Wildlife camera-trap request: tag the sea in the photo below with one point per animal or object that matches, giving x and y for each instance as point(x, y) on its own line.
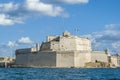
point(59, 73)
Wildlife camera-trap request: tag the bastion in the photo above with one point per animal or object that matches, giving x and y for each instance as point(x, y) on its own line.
point(65, 51)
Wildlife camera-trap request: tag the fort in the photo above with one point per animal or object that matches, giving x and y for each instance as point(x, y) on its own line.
point(66, 51)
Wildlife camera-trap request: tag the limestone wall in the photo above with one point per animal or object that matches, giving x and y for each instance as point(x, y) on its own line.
point(67, 44)
point(52, 38)
point(59, 59)
point(21, 59)
point(41, 59)
point(26, 50)
point(46, 46)
point(72, 58)
point(83, 44)
point(65, 59)
point(55, 46)
point(99, 56)
point(81, 58)
point(71, 43)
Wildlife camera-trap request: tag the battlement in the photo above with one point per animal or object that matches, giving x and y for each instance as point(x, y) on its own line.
point(66, 42)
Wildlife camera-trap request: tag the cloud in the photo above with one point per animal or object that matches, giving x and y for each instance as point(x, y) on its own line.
point(8, 20)
point(5, 20)
point(7, 14)
point(43, 8)
point(21, 41)
point(6, 7)
point(113, 26)
point(109, 38)
point(67, 1)
point(8, 49)
point(16, 13)
point(12, 44)
point(25, 40)
point(116, 45)
point(74, 1)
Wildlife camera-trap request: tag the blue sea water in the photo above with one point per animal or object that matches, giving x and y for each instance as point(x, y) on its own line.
point(59, 74)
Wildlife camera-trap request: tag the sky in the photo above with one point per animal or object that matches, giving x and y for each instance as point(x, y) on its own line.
point(26, 22)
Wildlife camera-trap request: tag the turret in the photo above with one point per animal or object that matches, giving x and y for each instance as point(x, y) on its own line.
point(66, 34)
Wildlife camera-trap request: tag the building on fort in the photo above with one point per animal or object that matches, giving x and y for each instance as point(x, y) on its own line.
point(66, 51)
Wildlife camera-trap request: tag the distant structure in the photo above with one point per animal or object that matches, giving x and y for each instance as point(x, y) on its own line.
point(66, 51)
point(115, 60)
point(6, 62)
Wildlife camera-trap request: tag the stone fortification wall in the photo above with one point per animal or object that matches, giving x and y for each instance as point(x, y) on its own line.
point(53, 59)
point(60, 58)
point(21, 59)
point(41, 59)
point(52, 38)
point(67, 44)
point(45, 46)
point(55, 46)
point(22, 51)
point(81, 58)
point(99, 56)
point(65, 59)
point(83, 44)
point(70, 43)
point(72, 58)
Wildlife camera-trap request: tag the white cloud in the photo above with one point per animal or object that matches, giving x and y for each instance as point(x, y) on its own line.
point(8, 49)
point(109, 38)
point(11, 44)
point(116, 45)
point(15, 13)
point(5, 20)
point(6, 7)
point(19, 42)
point(110, 26)
point(8, 13)
point(25, 40)
point(74, 1)
point(113, 26)
point(66, 1)
point(8, 20)
point(42, 8)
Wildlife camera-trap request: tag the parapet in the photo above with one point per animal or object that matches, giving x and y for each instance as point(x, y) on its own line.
point(66, 34)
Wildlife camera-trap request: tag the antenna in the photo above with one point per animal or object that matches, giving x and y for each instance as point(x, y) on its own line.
point(63, 24)
point(77, 30)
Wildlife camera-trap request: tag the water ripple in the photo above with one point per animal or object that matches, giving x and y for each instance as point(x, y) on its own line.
point(59, 74)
